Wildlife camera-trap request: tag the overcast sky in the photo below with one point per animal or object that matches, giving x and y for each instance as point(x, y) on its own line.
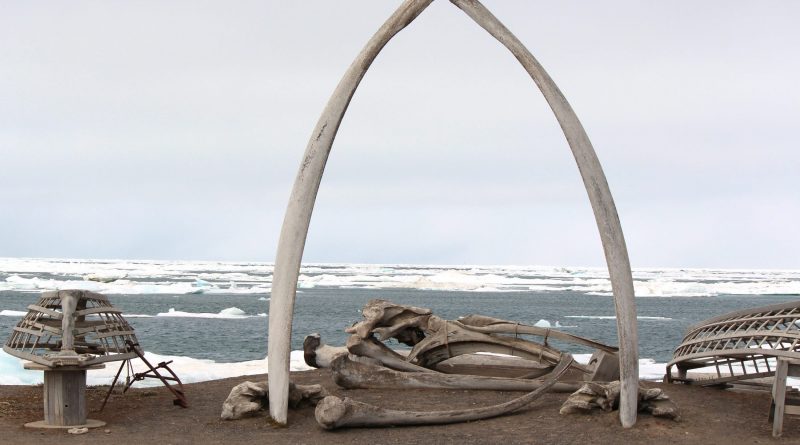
point(173, 130)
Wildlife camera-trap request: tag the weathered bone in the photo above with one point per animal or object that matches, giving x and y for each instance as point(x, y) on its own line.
point(489, 325)
point(381, 314)
point(605, 212)
point(605, 396)
point(447, 339)
point(318, 354)
point(429, 334)
point(491, 365)
point(306, 395)
point(436, 339)
point(356, 375)
point(605, 367)
point(406, 328)
point(301, 204)
point(247, 399)
point(433, 357)
point(333, 412)
point(369, 347)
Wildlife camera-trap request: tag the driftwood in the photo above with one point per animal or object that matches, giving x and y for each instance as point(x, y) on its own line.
point(358, 375)
point(247, 399)
point(594, 395)
point(333, 412)
point(309, 176)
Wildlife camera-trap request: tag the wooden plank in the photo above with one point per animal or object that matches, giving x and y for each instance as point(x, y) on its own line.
point(736, 321)
point(710, 357)
point(712, 381)
point(115, 334)
point(65, 397)
point(779, 397)
point(740, 335)
point(97, 310)
point(30, 331)
point(55, 314)
point(734, 317)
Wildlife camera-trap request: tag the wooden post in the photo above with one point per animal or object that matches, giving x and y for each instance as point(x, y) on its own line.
point(64, 397)
point(786, 367)
point(779, 396)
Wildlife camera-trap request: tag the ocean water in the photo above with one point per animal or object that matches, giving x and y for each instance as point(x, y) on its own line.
point(217, 312)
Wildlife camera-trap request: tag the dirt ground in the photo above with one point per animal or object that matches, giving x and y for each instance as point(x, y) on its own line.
point(708, 416)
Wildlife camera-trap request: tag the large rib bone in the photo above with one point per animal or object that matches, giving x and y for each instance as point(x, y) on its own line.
point(358, 375)
point(605, 212)
point(489, 325)
point(301, 204)
point(433, 356)
point(448, 339)
point(494, 365)
point(333, 412)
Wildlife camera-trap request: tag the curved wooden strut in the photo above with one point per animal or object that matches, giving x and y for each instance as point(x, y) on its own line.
point(301, 205)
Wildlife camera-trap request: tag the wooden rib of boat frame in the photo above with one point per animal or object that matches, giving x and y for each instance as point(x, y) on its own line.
point(739, 346)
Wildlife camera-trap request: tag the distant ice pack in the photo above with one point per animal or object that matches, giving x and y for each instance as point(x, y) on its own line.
point(197, 277)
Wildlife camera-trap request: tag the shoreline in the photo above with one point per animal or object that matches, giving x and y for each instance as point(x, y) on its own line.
point(147, 415)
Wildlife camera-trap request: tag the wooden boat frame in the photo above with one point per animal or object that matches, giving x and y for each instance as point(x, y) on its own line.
point(740, 345)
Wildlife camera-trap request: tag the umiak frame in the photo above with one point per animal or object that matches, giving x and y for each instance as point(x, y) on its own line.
point(301, 205)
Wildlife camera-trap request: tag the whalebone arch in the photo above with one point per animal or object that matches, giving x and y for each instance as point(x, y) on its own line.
point(301, 204)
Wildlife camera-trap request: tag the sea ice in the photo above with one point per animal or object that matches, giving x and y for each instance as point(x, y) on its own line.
point(189, 369)
point(231, 312)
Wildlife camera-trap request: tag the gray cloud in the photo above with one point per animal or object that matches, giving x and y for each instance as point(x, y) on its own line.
point(152, 130)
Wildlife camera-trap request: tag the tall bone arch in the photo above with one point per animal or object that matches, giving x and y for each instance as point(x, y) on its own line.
point(301, 205)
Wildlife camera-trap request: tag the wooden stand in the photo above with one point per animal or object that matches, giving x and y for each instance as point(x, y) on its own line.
point(780, 406)
point(64, 397)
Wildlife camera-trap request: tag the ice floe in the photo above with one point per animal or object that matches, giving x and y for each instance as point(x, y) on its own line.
point(194, 277)
point(228, 313)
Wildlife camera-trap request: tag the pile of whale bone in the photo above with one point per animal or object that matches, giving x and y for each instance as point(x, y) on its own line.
point(473, 352)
